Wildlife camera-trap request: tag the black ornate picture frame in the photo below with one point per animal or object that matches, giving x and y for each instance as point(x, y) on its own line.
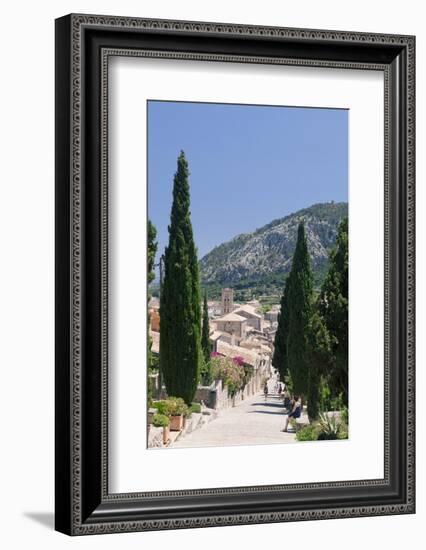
point(84, 44)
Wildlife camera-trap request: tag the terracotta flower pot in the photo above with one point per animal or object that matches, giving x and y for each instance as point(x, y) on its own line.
point(176, 423)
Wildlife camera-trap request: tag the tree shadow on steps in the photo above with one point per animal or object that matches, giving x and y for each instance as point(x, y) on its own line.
point(280, 413)
point(268, 404)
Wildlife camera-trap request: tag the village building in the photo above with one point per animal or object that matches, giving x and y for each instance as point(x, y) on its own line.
point(233, 324)
point(254, 304)
point(254, 319)
point(272, 314)
point(154, 320)
point(214, 308)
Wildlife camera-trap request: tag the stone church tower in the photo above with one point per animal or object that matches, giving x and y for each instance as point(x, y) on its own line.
point(227, 301)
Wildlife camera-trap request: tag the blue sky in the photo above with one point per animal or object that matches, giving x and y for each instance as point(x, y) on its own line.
point(248, 164)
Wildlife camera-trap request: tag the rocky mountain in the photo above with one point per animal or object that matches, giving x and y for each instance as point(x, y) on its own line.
point(250, 258)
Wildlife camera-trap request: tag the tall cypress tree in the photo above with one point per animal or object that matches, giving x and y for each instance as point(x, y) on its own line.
point(279, 359)
point(205, 335)
point(300, 295)
point(152, 250)
point(319, 356)
point(180, 312)
point(333, 303)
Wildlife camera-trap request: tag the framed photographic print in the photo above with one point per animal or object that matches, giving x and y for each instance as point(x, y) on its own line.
point(234, 274)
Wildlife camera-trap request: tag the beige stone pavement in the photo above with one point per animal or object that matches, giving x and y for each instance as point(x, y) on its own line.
point(253, 422)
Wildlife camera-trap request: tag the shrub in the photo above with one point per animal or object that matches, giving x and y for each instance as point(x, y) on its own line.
point(160, 420)
point(176, 406)
point(206, 373)
point(154, 364)
point(344, 415)
point(248, 374)
point(172, 406)
point(195, 408)
point(230, 372)
point(343, 433)
point(150, 387)
point(323, 436)
point(337, 403)
point(163, 407)
point(329, 427)
point(308, 433)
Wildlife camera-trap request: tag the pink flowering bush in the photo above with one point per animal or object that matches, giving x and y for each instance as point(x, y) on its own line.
point(230, 371)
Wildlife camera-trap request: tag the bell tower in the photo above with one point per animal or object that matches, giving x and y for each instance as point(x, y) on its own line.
point(227, 300)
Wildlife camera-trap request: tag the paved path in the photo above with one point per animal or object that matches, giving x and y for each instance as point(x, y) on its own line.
point(253, 422)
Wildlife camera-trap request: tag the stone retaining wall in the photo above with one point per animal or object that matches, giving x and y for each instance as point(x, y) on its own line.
point(217, 397)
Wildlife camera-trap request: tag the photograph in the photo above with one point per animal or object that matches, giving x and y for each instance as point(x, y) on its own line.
point(247, 270)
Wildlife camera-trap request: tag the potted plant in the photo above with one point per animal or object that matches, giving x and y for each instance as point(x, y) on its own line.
point(162, 421)
point(177, 409)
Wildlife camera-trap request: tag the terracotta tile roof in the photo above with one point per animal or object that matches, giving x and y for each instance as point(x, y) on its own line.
point(250, 357)
point(231, 317)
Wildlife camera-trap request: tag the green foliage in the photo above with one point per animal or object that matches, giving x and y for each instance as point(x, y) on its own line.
point(150, 388)
point(324, 395)
point(230, 372)
point(155, 289)
point(172, 406)
point(308, 433)
point(333, 305)
point(195, 408)
point(322, 436)
point(310, 347)
point(337, 403)
point(154, 364)
point(279, 359)
point(289, 383)
point(180, 312)
point(343, 432)
point(319, 357)
point(163, 407)
point(299, 314)
point(177, 406)
point(313, 392)
point(344, 413)
point(324, 429)
point(329, 426)
point(205, 334)
point(206, 373)
point(152, 250)
point(160, 421)
point(248, 374)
